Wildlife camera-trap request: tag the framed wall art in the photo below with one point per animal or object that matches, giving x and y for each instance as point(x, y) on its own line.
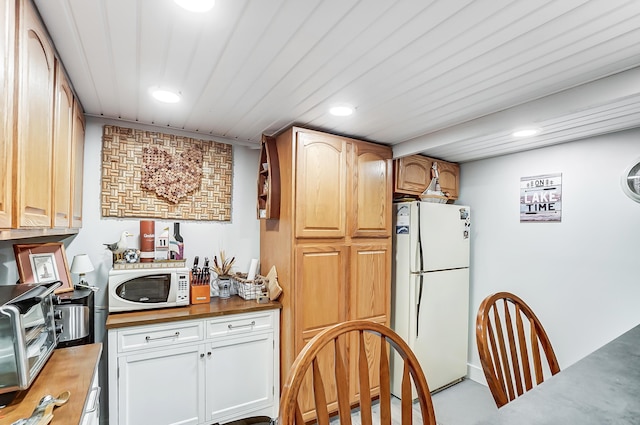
point(43, 267)
point(43, 262)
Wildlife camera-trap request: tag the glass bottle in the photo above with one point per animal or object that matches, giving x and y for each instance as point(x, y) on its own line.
point(179, 252)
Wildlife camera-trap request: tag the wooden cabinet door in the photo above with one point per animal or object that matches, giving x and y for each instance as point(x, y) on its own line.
point(370, 212)
point(33, 164)
point(412, 174)
point(320, 185)
point(449, 178)
point(7, 78)
point(162, 386)
point(370, 299)
point(370, 281)
point(77, 165)
point(320, 301)
point(321, 290)
point(62, 147)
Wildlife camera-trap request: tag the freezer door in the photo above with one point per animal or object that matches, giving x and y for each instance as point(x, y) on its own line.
point(442, 327)
point(444, 235)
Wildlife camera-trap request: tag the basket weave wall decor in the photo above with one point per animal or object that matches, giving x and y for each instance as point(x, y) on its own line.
point(155, 175)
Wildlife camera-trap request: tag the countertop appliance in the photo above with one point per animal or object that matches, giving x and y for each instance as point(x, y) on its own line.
point(146, 288)
point(27, 334)
point(430, 289)
point(75, 316)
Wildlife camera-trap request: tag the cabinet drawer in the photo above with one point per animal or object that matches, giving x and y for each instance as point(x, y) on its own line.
point(238, 324)
point(159, 336)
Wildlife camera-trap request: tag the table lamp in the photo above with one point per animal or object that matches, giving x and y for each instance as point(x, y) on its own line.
point(81, 265)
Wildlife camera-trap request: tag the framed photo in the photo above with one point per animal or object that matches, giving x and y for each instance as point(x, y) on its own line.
point(43, 262)
point(43, 267)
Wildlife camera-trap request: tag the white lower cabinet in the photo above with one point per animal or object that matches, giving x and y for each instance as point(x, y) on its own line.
point(196, 371)
point(162, 387)
point(91, 414)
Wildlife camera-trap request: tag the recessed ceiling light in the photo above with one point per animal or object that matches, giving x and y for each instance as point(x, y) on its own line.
point(196, 5)
point(526, 132)
point(342, 110)
point(165, 96)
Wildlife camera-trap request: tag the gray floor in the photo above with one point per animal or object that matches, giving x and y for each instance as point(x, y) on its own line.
point(464, 403)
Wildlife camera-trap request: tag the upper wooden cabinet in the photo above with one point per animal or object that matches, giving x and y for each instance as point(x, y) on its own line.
point(320, 185)
point(62, 148)
point(413, 175)
point(33, 147)
point(41, 131)
point(341, 187)
point(7, 58)
point(77, 161)
point(371, 174)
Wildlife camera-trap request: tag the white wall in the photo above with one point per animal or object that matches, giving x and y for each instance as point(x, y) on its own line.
point(580, 276)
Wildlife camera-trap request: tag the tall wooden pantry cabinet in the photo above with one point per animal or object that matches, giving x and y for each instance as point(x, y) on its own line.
point(332, 242)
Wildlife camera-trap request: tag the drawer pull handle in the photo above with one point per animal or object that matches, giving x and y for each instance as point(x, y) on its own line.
point(175, 335)
point(96, 400)
point(253, 323)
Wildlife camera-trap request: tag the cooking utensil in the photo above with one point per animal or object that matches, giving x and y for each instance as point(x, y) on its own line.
point(43, 413)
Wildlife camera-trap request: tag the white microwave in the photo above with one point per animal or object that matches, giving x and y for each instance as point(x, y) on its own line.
point(141, 289)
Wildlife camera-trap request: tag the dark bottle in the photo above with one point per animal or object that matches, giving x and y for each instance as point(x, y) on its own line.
point(177, 251)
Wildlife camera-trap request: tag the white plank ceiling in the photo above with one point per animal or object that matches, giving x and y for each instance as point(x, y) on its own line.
point(447, 78)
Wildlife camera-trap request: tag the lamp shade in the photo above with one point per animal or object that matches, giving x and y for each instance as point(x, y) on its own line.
point(81, 264)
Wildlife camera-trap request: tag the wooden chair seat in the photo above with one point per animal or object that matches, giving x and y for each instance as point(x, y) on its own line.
point(515, 351)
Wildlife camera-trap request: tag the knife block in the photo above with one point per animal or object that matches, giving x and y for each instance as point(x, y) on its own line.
point(199, 294)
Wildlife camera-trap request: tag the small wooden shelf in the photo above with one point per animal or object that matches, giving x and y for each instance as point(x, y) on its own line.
point(268, 180)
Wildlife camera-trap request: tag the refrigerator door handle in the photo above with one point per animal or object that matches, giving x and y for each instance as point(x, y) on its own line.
point(418, 306)
point(421, 258)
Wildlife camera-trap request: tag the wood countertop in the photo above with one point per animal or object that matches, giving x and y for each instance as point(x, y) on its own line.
point(217, 307)
point(68, 369)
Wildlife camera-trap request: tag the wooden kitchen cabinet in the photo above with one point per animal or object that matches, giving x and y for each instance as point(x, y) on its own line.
point(62, 149)
point(41, 129)
point(198, 372)
point(413, 175)
point(34, 144)
point(77, 164)
point(371, 172)
point(7, 61)
point(321, 185)
point(331, 245)
point(370, 298)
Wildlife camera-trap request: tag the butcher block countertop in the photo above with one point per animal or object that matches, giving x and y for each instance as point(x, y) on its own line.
point(68, 369)
point(217, 307)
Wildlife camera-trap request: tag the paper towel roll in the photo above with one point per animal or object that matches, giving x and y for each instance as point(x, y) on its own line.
point(253, 268)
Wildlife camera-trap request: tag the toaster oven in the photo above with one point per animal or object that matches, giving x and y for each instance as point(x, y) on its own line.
point(27, 333)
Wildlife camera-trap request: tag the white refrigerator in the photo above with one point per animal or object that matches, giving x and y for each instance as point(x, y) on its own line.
point(430, 289)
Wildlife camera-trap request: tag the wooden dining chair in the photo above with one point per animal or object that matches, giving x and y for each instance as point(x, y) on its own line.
point(371, 346)
point(515, 351)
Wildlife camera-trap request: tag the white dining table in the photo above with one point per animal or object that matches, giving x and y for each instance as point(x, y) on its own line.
point(602, 388)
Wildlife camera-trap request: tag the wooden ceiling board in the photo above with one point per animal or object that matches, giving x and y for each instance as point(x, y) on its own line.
point(323, 63)
point(425, 76)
